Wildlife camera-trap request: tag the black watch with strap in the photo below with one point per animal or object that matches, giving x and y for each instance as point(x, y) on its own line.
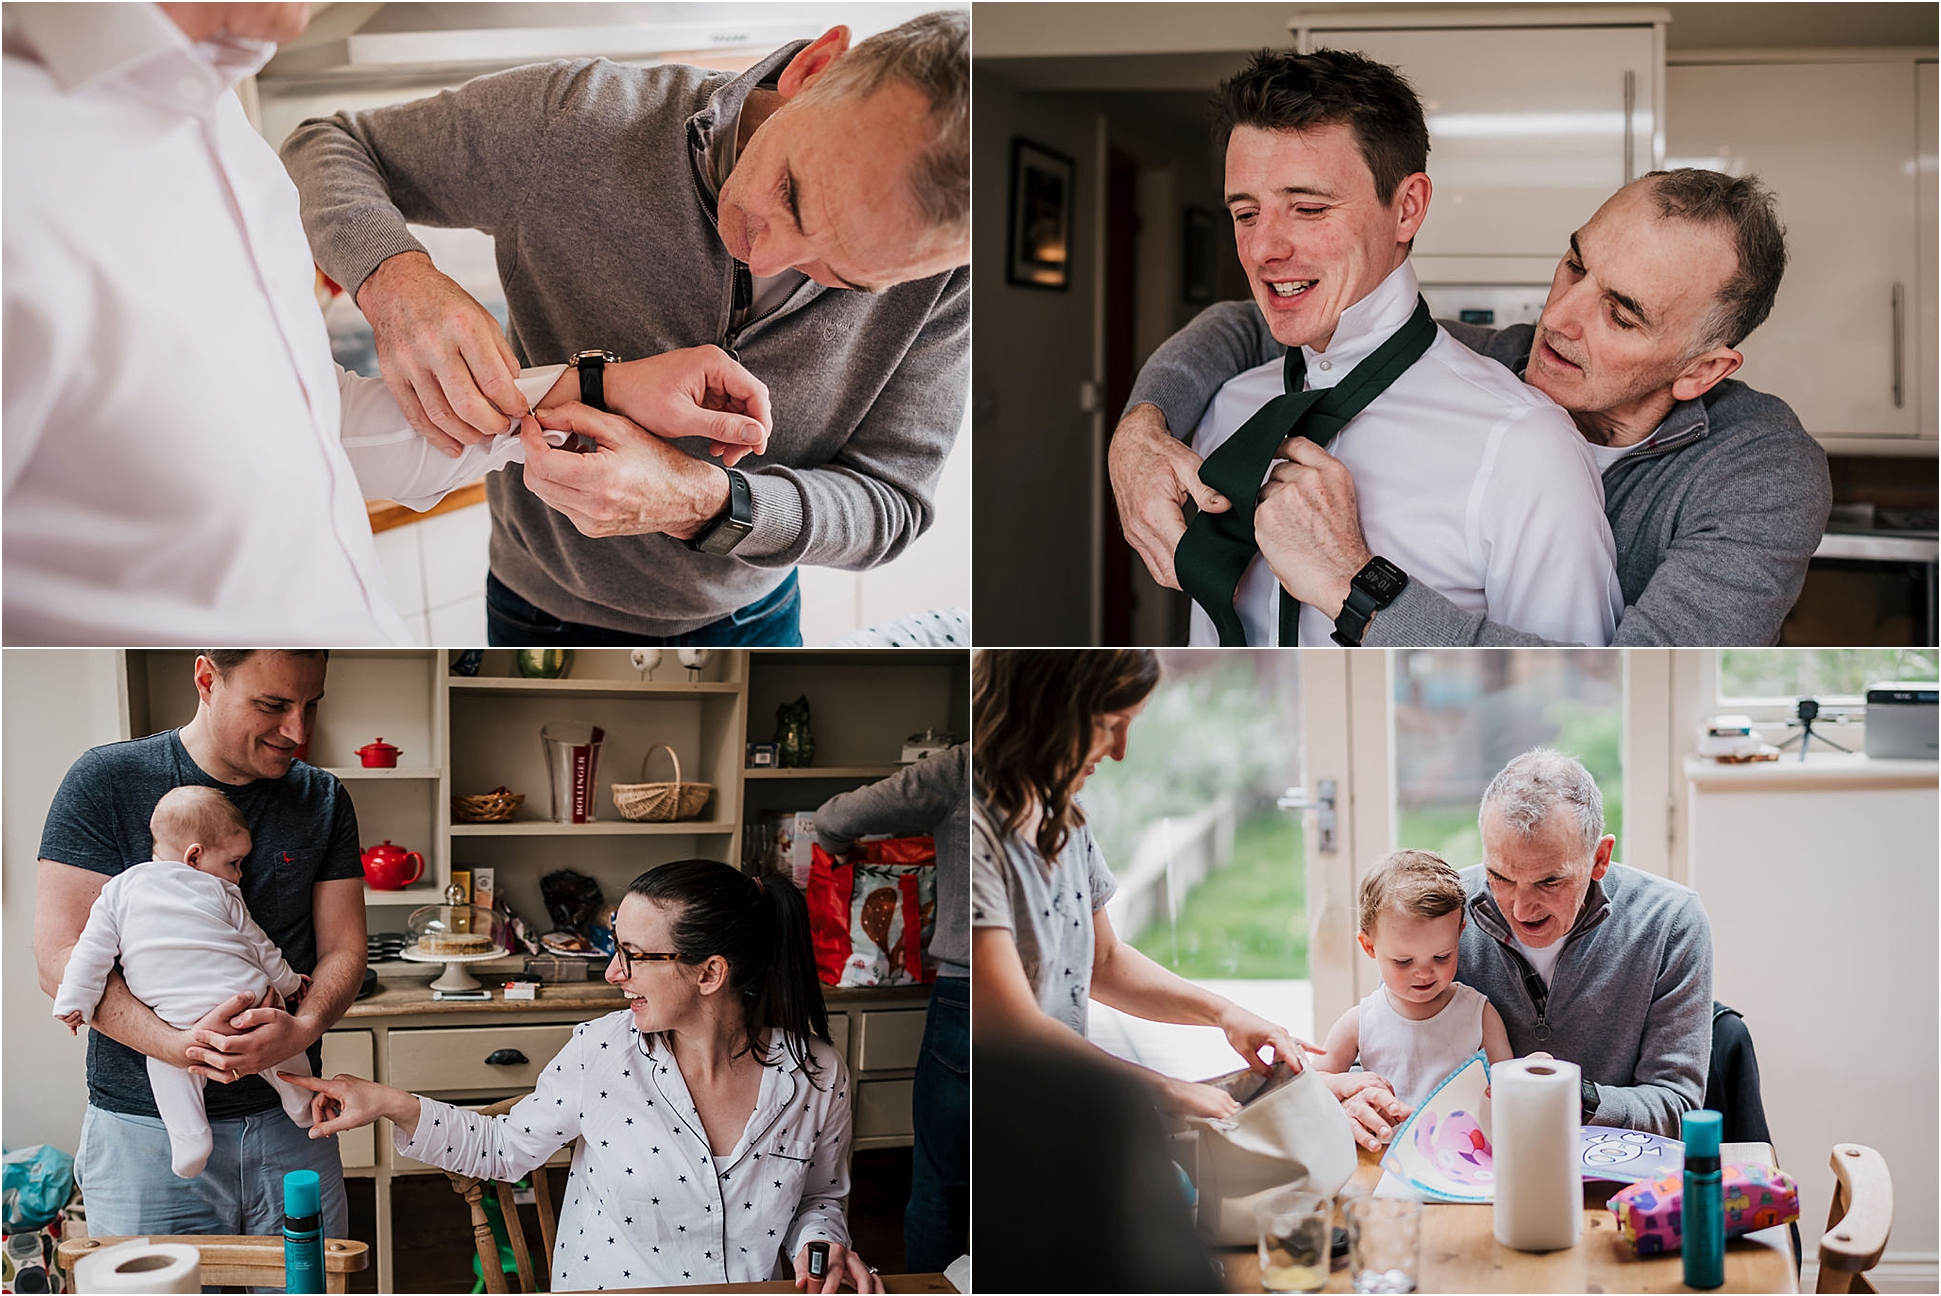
point(593, 371)
point(1375, 586)
point(733, 524)
point(1588, 1101)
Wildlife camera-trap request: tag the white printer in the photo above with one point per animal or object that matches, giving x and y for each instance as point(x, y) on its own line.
point(1901, 720)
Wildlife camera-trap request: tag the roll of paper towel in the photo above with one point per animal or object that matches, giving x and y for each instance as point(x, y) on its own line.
point(1534, 1106)
point(139, 1265)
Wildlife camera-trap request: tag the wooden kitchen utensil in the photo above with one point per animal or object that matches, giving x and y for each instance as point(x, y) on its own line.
point(661, 802)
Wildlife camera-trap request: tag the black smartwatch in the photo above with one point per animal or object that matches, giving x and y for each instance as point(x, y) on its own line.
point(1588, 1101)
point(727, 530)
point(593, 371)
point(1375, 586)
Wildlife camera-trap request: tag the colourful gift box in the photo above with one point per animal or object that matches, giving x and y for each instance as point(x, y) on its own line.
point(1756, 1197)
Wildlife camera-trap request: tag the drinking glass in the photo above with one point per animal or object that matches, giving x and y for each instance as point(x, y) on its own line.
point(1295, 1229)
point(1384, 1240)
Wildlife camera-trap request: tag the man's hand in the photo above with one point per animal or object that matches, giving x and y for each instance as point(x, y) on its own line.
point(1373, 1109)
point(1309, 527)
point(441, 353)
point(843, 1264)
point(256, 1039)
point(695, 392)
point(1152, 476)
point(1249, 1034)
point(1186, 1098)
point(632, 484)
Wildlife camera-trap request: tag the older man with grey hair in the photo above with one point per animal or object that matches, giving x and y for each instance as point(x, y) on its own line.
point(1590, 961)
point(808, 216)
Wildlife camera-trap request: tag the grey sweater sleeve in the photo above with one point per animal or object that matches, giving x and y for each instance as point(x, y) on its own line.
point(1181, 377)
point(915, 799)
point(878, 494)
point(456, 159)
point(1675, 1050)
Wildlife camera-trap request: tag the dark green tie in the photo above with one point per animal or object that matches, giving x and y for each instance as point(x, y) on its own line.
point(1213, 554)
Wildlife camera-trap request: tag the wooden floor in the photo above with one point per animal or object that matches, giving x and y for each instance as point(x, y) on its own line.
point(432, 1245)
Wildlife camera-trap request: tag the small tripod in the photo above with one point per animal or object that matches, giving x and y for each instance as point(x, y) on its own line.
point(1809, 711)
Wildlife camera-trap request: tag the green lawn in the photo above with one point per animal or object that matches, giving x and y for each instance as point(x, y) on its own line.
point(1249, 920)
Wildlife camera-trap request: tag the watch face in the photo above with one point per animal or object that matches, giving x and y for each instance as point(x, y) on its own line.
point(1382, 579)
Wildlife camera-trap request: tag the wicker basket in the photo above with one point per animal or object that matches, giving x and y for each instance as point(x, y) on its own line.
point(661, 802)
point(496, 806)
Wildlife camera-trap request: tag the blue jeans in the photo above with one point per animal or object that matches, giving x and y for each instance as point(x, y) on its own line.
point(123, 1168)
point(936, 1222)
point(771, 621)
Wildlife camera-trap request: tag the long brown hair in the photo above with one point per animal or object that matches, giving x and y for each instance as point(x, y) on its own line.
point(1035, 716)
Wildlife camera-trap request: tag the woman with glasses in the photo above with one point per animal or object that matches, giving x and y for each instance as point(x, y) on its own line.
point(710, 1116)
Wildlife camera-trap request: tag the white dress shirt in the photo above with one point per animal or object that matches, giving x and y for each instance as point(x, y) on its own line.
point(1468, 480)
point(173, 469)
point(647, 1204)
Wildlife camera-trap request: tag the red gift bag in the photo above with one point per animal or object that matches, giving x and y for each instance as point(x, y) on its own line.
point(830, 885)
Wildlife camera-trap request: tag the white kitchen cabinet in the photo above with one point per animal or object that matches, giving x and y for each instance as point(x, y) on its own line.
point(1927, 334)
point(1530, 129)
point(1849, 344)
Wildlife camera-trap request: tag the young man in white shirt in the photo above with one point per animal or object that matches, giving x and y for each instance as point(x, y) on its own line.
point(1467, 480)
point(175, 466)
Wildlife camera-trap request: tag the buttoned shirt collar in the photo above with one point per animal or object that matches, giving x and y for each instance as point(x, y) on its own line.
point(1363, 327)
point(84, 45)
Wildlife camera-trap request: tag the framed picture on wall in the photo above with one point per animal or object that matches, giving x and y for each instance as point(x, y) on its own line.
point(1200, 258)
point(1040, 243)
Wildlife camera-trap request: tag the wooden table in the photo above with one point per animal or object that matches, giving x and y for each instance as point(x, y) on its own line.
point(925, 1282)
point(1460, 1252)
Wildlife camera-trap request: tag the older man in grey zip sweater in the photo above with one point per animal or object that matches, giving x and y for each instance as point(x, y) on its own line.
point(1592, 962)
point(1716, 496)
point(808, 217)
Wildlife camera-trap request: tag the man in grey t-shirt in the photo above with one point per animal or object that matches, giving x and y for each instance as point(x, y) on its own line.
point(810, 217)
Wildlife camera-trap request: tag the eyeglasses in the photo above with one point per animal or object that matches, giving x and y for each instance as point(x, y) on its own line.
point(627, 960)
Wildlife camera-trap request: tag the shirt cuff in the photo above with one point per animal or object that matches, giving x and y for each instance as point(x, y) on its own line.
point(405, 1143)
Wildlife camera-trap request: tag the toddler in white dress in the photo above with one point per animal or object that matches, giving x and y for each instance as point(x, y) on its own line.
point(186, 943)
point(1419, 1024)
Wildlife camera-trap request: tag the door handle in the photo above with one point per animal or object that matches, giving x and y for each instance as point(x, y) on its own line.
point(1295, 798)
point(1630, 106)
point(1900, 327)
point(507, 1057)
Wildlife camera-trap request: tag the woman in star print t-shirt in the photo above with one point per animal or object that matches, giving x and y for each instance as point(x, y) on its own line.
point(710, 1117)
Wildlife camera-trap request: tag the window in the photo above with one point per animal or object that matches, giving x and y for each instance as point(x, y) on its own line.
point(1210, 876)
point(1460, 716)
point(1839, 676)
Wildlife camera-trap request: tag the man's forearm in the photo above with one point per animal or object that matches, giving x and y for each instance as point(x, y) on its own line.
point(1181, 377)
point(1654, 1108)
point(127, 1020)
point(333, 988)
point(1421, 617)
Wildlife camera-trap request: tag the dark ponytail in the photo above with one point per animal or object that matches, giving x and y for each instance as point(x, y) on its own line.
point(761, 927)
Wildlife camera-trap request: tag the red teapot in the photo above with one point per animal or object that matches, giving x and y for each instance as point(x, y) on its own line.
point(379, 755)
point(385, 866)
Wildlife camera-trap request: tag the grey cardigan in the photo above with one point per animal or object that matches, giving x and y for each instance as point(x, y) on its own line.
point(1630, 1000)
point(587, 175)
point(1714, 523)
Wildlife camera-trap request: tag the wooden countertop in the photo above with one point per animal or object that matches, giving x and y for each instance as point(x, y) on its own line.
point(413, 998)
point(1460, 1253)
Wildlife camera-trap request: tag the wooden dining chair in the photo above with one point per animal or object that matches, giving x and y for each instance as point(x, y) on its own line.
point(235, 1261)
point(1857, 1225)
point(473, 1191)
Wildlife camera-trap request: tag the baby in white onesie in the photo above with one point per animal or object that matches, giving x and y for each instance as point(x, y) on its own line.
point(186, 943)
point(1419, 1024)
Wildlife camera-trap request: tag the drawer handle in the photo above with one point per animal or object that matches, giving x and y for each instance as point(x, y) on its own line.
point(507, 1057)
